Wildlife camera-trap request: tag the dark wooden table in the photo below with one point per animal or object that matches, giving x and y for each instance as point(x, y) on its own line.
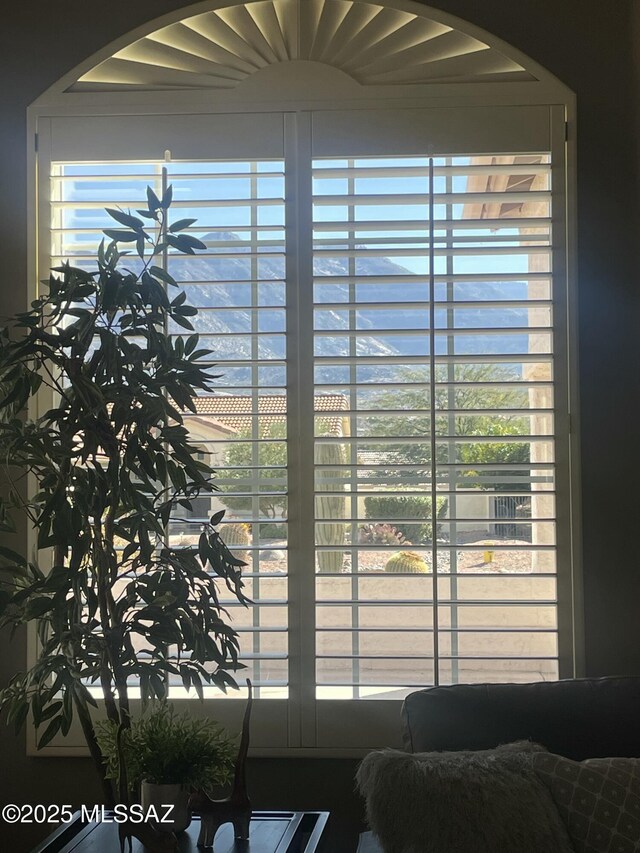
point(270, 832)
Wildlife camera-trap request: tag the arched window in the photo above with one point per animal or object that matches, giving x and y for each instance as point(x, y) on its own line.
point(382, 190)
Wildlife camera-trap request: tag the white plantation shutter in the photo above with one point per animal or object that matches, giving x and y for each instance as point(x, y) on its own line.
point(384, 292)
point(237, 136)
point(238, 285)
point(433, 323)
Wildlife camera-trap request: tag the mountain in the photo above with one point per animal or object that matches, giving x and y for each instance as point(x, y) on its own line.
point(271, 272)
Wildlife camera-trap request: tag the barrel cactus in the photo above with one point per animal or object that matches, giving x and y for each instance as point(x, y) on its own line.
point(237, 534)
point(406, 562)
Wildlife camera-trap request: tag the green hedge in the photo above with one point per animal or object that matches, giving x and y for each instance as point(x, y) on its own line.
point(389, 508)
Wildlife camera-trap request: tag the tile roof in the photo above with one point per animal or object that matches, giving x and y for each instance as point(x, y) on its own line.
point(235, 411)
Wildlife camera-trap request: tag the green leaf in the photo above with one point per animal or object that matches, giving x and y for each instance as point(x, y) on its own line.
point(121, 236)
point(191, 343)
point(226, 678)
point(197, 683)
point(181, 224)
point(50, 711)
point(185, 243)
point(55, 687)
point(217, 517)
point(186, 677)
point(13, 556)
point(159, 685)
point(37, 607)
point(182, 321)
point(19, 392)
point(125, 219)
point(148, 214)
point(50, 732)
point(84, 695)
point(163, 275)
point(20, 715)
point(152, 200)
point(167, 197)
point(187, 310)
point(36, 709)
point(5, 600)
point(67, 711)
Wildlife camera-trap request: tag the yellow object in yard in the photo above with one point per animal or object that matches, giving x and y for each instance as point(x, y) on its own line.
point(488, 556)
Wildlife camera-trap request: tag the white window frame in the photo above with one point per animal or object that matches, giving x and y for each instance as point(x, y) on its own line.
point(348, 728)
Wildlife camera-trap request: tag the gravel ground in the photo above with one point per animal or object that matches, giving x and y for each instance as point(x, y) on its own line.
point(512, 561)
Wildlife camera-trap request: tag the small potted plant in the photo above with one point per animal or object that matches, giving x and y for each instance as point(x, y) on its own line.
point(167, 755)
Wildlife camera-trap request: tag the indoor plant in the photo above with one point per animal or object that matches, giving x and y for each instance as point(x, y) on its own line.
point(110, 458)
point(168, 755)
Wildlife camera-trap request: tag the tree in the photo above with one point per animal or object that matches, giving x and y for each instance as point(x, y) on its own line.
point(470, 394)
point(241, 455)
point(273, 459)
point(112, 459)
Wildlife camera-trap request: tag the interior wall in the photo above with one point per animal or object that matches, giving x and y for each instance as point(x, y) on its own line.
point(588, 45)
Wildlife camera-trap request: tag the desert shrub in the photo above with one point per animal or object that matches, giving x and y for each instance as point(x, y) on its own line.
point(407, 507)
point(273, 531)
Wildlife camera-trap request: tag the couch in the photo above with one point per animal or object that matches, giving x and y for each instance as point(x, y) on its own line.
point(578, 719)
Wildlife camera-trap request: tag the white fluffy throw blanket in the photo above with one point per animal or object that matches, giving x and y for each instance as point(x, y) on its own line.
point(460, 802)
